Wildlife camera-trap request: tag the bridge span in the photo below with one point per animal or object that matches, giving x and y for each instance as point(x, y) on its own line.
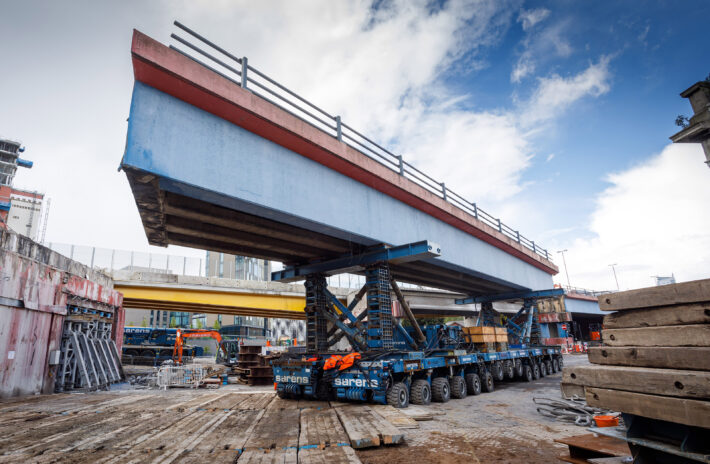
point(214, 164)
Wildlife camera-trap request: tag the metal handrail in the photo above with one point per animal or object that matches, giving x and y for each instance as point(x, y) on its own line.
point(333, 125)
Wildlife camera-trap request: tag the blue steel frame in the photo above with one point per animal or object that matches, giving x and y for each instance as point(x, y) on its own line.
point(399, 254)
point(522, 295)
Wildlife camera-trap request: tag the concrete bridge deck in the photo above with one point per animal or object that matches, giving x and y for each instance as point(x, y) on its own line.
point(216, 167)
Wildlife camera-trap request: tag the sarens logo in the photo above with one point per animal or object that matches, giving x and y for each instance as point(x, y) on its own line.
point(291, 379)
point(349, 382)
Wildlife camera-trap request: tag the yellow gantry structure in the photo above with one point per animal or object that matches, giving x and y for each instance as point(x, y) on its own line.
point(214, 300)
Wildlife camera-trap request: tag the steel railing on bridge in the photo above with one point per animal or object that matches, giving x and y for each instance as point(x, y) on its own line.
point(248, 77)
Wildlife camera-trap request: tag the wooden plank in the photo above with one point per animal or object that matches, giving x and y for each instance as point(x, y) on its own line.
point(570, 390)
point(480, 330)
point(395, 416)
point(698, 313)
point(697, 291)
point(276, 429)
point(224, 442)
point(669, 382)
point(330, 455)
point(677, 335)
point(679, 410)
point(274, 456)
point(692, 358)
point(321, 428)
point(366, 428)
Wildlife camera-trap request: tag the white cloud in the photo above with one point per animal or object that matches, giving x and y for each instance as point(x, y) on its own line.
point(529, 18)
point(550, 157)
point(539, 46)
point(652, 220)
point(555, 94)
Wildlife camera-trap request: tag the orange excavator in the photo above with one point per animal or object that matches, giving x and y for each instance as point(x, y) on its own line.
point(193, 333)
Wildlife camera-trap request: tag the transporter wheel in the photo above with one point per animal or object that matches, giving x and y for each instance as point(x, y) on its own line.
point(535, 371)
point(487, 382)
point(497, 371)
point(323, 391)
point(398, 395)
point(560, 362)
point(509, 369)
point(440, 390)
point(420, 392)
point(548, 366)
point(473, 383)
point(166, 352)
point(527, 374)
point(555, 365)
point(519, 368)
point(283, 395)
point(148, 353)
point(131, 353)
point(458, 387)
point(543, 368)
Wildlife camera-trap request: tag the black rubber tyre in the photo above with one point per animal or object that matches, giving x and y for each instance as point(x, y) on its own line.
point(398, 395)
point(555, 365)
point(497, 371)
point(440, 390)
point(458, 387)
point(527, 374)
point(323, 391)
point(543, 368)
point(509, 368)
point(282, 394)
point(560, 363)
point(148, 353)
point(131, 353)
point(473, 383)
point(519, 368)
point(487, 382)
point(166, 353)
point(536, 371)
point(548, 366)
point(420, 392)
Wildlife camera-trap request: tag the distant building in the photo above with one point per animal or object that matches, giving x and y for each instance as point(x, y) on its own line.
point(20, 210)
point(664, 280)
point(25, 212)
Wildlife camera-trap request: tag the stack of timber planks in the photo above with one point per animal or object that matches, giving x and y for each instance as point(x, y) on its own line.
point(487, 338)
point(655, 358)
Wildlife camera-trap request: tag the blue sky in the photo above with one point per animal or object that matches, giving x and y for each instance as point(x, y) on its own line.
point(554, 116)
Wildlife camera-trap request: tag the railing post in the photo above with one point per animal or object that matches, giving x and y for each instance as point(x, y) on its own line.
point(546, 256)
point(443, 190)
point(500, 226)
point(245, 67)
point(517, 235)
point(475, 210)
point(401, 165)
point(338, 128)
point(534, 248)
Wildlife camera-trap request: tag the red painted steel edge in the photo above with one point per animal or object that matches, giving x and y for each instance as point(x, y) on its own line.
point(168, 71)
point(580, 296)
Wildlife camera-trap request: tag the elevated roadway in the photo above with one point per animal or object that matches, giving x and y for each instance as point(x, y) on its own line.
point(213, 165)
point(168, 292)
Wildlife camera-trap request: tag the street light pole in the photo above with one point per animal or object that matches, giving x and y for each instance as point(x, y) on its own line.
point(562, 252)
point(614, 271)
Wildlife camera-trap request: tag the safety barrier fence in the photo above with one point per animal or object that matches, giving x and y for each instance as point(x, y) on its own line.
point(239, 71)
